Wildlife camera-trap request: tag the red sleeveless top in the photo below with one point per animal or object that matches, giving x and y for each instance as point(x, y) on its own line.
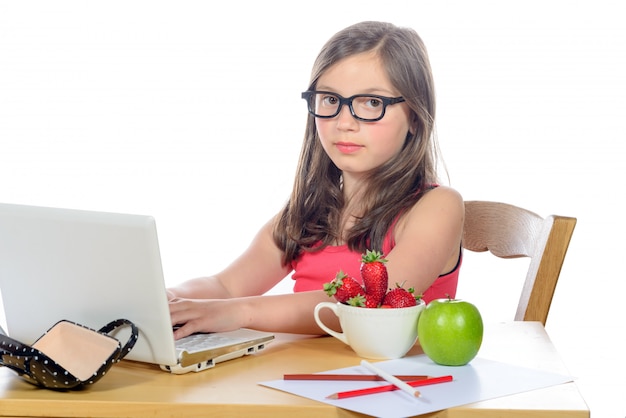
point(313, 269)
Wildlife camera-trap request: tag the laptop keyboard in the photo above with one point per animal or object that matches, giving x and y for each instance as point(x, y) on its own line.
point(202, 342)
point(201, 351)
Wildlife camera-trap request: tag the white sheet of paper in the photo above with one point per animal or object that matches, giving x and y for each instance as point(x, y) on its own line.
point(478, 381)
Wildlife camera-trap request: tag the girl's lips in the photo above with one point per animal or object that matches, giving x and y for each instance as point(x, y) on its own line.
point(348, 147)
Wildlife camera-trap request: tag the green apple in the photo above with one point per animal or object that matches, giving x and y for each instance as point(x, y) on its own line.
point(450, 331)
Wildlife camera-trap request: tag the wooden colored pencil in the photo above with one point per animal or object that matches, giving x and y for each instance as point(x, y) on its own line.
point(353, 377)
point(388, 388)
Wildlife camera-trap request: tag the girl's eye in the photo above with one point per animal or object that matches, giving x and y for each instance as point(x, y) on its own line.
point(374, 102)
point(329, 100)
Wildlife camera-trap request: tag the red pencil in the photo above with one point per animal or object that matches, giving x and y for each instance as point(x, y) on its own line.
point(367, 377)
point(388, 388)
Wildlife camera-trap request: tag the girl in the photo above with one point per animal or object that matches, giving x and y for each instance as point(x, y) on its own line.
point(366, 179)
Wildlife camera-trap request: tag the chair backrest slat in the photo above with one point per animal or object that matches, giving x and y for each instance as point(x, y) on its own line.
point(508, 231)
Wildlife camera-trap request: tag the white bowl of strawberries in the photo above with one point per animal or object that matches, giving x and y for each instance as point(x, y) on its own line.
point(377, 322)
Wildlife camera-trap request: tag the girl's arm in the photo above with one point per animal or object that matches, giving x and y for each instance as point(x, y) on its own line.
point(428, 240)
point(256, 271)
point(289, 313)
point(233, 298)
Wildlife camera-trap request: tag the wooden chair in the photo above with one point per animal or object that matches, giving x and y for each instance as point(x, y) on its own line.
point(509, 231)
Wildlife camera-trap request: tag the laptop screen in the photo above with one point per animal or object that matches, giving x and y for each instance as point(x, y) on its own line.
point(87, 267)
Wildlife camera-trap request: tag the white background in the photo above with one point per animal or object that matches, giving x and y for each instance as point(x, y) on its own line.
point(191, 112)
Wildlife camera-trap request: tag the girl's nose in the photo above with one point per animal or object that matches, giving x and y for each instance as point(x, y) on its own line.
point(345, 120)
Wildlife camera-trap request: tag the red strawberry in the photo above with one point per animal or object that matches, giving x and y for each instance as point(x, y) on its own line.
point(400, 297)
point(374, 275)
point(343, 287)
point(363, 301)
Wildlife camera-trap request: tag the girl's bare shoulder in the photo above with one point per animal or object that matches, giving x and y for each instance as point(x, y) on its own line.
point(442, 204)
point(440, 197)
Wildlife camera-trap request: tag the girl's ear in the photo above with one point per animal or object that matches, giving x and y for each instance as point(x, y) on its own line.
point(413, 125)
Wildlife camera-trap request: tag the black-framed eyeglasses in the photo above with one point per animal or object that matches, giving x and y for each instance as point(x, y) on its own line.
point(364, 107)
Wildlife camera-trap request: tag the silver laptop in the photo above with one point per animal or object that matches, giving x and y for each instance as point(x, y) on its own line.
point(92, 268)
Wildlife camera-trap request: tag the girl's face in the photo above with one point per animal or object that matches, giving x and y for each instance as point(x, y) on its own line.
point(357, 147)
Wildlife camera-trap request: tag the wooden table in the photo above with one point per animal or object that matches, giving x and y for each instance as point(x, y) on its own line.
point(231, 389)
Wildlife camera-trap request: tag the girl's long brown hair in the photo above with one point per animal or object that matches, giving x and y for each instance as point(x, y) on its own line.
point(312, 218)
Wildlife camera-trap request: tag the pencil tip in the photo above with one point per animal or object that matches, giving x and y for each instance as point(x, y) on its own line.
point(333, 396)
point(417, 394)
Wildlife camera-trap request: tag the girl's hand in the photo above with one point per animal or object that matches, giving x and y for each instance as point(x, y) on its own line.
point(205, 315)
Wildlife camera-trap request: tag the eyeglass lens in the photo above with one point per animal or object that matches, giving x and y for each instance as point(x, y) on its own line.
point(364, 107)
